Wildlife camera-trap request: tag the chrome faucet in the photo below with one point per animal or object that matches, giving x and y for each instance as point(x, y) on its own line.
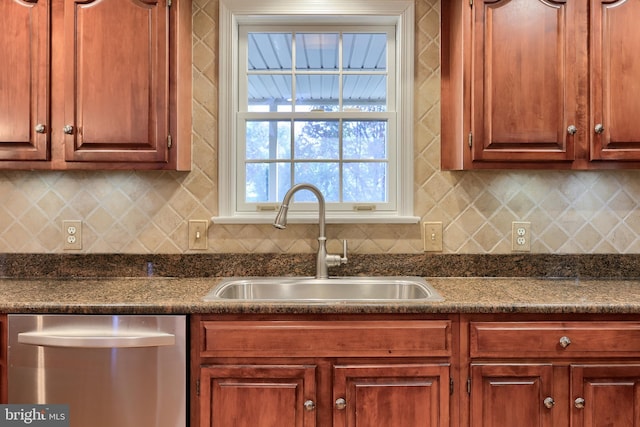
point(324, 260)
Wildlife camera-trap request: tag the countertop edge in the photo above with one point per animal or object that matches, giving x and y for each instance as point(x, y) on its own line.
point(463, 295)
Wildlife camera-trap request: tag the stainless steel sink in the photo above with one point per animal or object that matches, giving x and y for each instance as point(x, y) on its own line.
point(309, 289)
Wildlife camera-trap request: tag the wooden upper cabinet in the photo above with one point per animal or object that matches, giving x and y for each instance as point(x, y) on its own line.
point(24, 80)
point(116, 80)
point(523, 70)
point(615, 89)
point(540, 84)
point(95, 84)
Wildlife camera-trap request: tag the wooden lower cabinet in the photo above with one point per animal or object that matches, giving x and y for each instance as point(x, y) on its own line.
point(287, 396)
point(258, 395)
point(511, 395)
point(391, 395)
point(555, 373)
point(531, 395)
point(467, 370)
point(341, 373)
point(605, 395)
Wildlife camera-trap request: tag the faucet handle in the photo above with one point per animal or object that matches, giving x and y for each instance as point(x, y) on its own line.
point(344, 259)
point(336, 260)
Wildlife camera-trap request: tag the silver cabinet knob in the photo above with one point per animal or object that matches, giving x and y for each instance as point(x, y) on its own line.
point(571, 130)
point(549, 402)
point(309, 405)
point(40, 128)
point(341, 403)
point(564, 342)
point(599, 128)
point(579, 403)
point(68, 129)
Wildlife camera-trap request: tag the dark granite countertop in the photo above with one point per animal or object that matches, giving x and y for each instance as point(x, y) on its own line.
point(157, 284)
point(185, 295)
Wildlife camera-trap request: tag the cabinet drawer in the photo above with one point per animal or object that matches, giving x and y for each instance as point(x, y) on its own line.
point(556, 339)
point(325, 339)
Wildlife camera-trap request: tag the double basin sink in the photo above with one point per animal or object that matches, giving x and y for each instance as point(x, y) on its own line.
point(310, 289)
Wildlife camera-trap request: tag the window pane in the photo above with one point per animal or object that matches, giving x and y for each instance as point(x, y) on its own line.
point(269, 51)
point(269, 139)
point(317, 51)
point(322, 175)
point(365, 139)
point(365, 182)
point(268, 92)
point(364, 52)
point(311, 98)
point(317, 92)
point(267, 182)
point(316, 139)
point(365, 92)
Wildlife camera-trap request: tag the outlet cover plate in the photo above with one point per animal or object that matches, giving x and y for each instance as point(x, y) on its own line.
point(432, 236)
point(521, 236)
point(198, 239)
point(72, 235)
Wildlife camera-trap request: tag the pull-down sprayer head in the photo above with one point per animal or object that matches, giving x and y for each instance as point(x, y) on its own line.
point(281, 218)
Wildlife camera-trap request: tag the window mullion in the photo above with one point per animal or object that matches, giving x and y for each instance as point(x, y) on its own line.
point(292, 155)
point(292, 142)
point(273, 154)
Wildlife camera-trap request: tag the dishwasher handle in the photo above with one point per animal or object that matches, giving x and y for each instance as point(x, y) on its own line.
point(92, 338)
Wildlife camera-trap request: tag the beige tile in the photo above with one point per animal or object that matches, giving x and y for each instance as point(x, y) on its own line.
point(148, 212)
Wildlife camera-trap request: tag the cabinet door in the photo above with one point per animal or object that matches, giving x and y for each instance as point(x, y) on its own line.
point(615, 67)
point(511, 395)
point(24, 79)
point(605, 395)
point(116, 80)
point(391, 395)
point(524, 79)
point(257, 396)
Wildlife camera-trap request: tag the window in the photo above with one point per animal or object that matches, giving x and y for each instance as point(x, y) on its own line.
point(319, 94)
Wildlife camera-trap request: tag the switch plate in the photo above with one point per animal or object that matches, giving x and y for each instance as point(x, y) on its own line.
point(432, 236)
point(72, 232)
point(198, 239)
point(521, 236)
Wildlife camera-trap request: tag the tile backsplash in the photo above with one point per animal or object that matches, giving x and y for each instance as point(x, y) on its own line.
point(148, 212)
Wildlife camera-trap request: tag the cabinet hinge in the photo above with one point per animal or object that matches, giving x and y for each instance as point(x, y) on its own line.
point(470, 3)
point(169, 141)
point(468, 385)
point(451, 386)
point(197, 387)
point(470, 139)
point(169, 3)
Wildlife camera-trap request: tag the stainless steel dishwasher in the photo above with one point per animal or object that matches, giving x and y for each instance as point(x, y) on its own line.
point(112, 371)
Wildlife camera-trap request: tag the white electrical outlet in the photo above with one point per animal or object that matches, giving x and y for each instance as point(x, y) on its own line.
point(72, 232)
point(521, 236)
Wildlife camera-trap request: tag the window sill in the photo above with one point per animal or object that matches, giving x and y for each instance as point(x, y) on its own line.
point(312, 218)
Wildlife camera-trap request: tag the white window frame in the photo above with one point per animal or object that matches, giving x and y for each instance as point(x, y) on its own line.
point(233, 13)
